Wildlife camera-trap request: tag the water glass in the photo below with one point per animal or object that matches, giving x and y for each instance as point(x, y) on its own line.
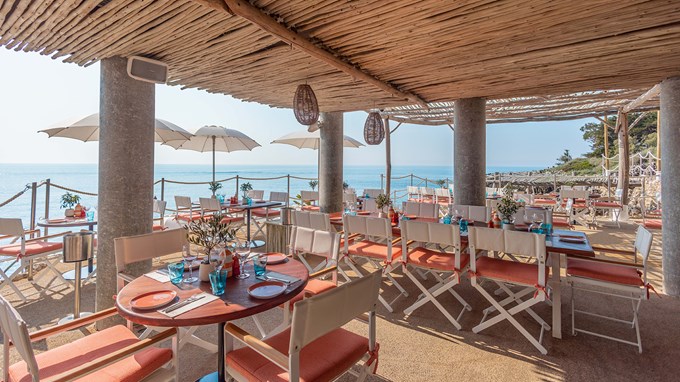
point(218, 279)
point(90, 215)
point(463, 225)
point(260, 265)
point(243, 251)
point(176, 272)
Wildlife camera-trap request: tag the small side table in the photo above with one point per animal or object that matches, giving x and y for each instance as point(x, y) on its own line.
point(78, 247)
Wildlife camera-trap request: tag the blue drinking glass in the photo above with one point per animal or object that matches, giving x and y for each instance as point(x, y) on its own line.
point(90, 215)
point(447, 219)
point(176, 272)
point(463, 225)
point(218, 279)
point(260, 265)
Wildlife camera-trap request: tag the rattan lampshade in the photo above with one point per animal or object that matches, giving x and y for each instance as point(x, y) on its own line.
point(374, 131)
point(305, 106)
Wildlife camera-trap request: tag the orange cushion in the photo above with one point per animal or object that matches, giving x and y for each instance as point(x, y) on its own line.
point(313, 287)
point(186, 216)
point(311, 208)
point(653, 223)
point(157, 227)
point(423, 257)
point(544, 201)
point(607, 204)
point(33, 248)
point(508, 270)
point(560, 222)
point(89, 348)
point(264, 212)
point(603, 271)
point(323, 359)
point(370, 249)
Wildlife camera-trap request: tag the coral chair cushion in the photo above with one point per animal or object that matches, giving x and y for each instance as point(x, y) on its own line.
point(607, 204)
point(33, 248)
point(560, 222)
point(264, 212)
point(604, 272)
point(510, 271)
point(189, 217)
point(232, 220)
point(321, 360)
point(89, 348)
point(544, 201)
point(653, 223)
point(312, 288)
point(371, 249)
point(311, 208)
point(427, 258)
point(157, 227)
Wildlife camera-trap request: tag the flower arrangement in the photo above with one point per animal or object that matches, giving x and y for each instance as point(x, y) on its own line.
point(209, 234)
point(313, 183)
point(245, 187)
point(382, 201)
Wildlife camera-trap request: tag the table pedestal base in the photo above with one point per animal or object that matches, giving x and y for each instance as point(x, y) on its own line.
point(70, 318)
point(71, 275)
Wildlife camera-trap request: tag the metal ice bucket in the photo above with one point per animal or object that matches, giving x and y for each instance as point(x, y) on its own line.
point(78, 246)
point(287, 215)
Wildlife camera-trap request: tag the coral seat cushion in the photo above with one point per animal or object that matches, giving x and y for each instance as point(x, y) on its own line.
point(653, 224)
point(66, 357)
point(511, 271)
point(158, 227)
point(188, 217)
point(560, 222)
point(311, 208)
point(321, 360)
point(33, 248)
point(264, 212)
point(423, 257)
point(607, 204)
point(604, 272)
point(370, 249)
point(230, 220)
point(313, 287)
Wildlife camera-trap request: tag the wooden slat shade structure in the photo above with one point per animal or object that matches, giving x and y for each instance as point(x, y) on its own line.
point(363, 55)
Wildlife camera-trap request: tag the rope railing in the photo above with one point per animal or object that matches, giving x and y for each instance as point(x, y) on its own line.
point(15, 196)
point(67, 189)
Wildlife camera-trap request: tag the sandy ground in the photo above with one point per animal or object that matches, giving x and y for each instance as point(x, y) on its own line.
point(426, 347)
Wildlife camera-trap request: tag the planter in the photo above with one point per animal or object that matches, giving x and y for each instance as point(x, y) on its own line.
point(509, 226)
point(69, 212)
point(203, 272)
point(382, 214)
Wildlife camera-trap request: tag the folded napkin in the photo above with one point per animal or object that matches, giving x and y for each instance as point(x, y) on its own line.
point(205, 298)
point(282, 277)
point(158, 276)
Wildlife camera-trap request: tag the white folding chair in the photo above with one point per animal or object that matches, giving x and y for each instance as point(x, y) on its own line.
point(256, 195)
point(442, 196)
point(372, 193)
point(349, 198)
point(446, 267)
point(369, 205)
point(426, 195)
point(185, 209)
point(132, 249)
point(531, 277)
point(421, 210)
point(311, 197)
point(212, 206)
point(576, 205)
point(159, 208)
point(370, 238)
point(413, 193)
point(313, 221)
point(264, 214)
point(112, 354)
point(612, 206)
point(26, 251)
point(527, 199)
point(492, 204)
point(308, 350)
point(612, 278)
point(479, 214)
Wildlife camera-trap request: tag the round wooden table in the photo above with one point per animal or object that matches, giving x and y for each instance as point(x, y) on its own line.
point(235, 303)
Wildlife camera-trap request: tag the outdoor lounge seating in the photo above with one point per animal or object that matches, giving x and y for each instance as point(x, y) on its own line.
point(316, 347)
point(370, 238)
point(310, 200)
point(421, 210)
point(25, 250)
point(185, 210)
point(159, 208)
point(611, 205)
point(612, 278)
point(532, 278)
point(445, 266)
point(264, 214)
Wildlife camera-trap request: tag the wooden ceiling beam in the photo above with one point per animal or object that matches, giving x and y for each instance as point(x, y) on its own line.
point(649, 94)
point(268, 24)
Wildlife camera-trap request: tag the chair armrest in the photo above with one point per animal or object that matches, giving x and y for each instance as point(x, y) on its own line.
point(613, 250)
point(258, 345)
point(47, 237)
point(606, 261)
point(113, 357)
point(48, 332)
point(396, 241)
point(323, 272)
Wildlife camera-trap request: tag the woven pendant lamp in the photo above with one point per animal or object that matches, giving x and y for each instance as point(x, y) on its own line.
point(305, 106)
point(374, 131)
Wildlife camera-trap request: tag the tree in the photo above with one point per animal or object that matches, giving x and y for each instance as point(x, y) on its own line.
point(642, 135)
point(564, 158)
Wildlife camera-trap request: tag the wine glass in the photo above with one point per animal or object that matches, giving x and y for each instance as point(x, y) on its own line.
point(243, 251)
point(536, 221)
point(189, 258)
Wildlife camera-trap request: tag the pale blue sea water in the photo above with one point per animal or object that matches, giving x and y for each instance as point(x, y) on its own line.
point(14, 177)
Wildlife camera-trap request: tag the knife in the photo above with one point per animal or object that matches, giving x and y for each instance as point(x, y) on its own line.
point(183, 303)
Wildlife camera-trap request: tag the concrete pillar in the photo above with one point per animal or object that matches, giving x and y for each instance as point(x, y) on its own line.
point(670, 184)
point(126, 158)
point(330, 162)
point(469, 152)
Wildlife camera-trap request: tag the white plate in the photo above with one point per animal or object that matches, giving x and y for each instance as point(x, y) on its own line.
point(267, 289)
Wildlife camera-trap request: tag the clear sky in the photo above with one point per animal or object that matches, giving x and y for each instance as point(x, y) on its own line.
point(37, 92)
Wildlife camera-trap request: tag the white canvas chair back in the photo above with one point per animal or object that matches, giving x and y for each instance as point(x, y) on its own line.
point(490, 191)
point(276, 196)
point(369, 205)
point(367, 226)
point(131, 249)
point(11, 227)
point(349, 197)
point(350, 190)
point(544, 214)
point(159, 207)
point(412, 190)
point(209, 205)
point(316, 242)
point(256, 194)
point(372, 192)
point(428, 210)
point(573, 194)
point(479, 213)
point(427, 191)
point(313, 220)
point(313, 317)
point(619, 193)
point(14, 329)
point(309, 195)
point(442, 193)
point(643, 246)
point(463, 210)
point(182, 202)
point(430, 232)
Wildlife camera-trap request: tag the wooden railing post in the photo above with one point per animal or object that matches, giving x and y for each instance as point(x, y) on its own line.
point(34, 199)
point(162, 188)
point(47, 203)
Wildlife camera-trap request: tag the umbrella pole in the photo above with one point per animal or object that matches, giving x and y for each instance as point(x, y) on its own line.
point(213, 152)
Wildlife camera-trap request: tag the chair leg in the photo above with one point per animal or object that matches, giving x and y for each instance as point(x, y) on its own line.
point(9, 281)
point(430, 297)
point(260, 328)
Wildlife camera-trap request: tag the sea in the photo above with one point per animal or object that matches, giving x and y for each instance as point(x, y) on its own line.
point(84, 179)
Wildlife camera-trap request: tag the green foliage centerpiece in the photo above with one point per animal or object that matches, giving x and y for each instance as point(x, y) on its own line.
point(210, 234)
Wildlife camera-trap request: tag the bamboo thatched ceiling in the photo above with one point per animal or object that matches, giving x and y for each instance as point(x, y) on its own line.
point(437, 50)
point(536, 108)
